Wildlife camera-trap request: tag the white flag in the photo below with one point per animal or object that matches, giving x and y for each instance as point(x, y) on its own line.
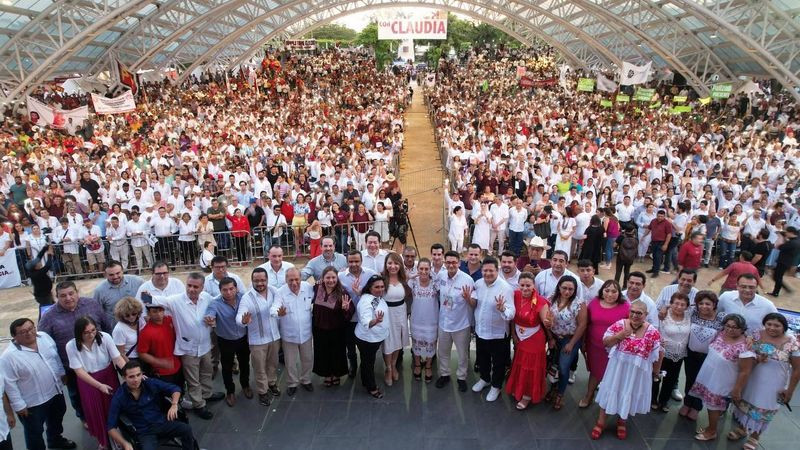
point(632, 74)
point(604, 84)
point(44, 115)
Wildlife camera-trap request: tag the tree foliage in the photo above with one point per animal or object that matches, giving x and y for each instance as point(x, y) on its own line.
point(463, 34)
point(333, 32)
point(368, 37)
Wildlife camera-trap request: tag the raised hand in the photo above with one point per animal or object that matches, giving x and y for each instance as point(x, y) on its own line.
point(378, 316)
point(466, 292)
point(345, 301)
point(500, 303)
point(282, 311)
point(246, 318)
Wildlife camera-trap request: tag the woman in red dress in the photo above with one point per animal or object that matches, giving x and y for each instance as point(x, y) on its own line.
point(527, 380)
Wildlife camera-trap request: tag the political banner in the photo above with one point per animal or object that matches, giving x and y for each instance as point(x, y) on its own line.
point(604, 84)
point(606, 103)
point(585, 85)
point(622, 98)
point(679, 99)
point(721, 90)
point(9, 271)
point(528, 82)
point(644, 95)
point(44, 115)
point(117, 105)
point(434, 27)
point(680, 109)
point(632, 74)
point(705, 100)
point(655, 105)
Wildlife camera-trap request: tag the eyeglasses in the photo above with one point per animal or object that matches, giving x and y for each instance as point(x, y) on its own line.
point(637, 313)
point(160, 273)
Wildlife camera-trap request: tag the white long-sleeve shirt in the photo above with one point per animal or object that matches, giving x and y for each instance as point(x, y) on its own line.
point(163, 227)
point(489, 322)
point(263, 328)
point(366, 311)
point(138, 232)
point(454, 311)
point(192, 335)
point(295, 325)
point(32, 377)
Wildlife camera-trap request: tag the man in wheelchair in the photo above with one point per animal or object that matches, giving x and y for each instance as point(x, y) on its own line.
point(140, 401)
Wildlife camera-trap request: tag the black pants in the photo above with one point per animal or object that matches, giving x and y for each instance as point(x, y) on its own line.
point(74, 395)
point(350, 343)
point(188, 250)
point(241, 350)
point(165, 249)
point(659, 257)
point(694, 360)
point(169, 429)
point(367, 350)
point(241, 248)
point(492, 356)
point(669, 382)
point(6, 445)
point(51, 413)
point(780, 271)
point(618, 271)
point(176, 379)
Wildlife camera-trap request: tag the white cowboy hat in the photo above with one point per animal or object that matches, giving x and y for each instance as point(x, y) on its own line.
point(536, 241)
point(390, 177)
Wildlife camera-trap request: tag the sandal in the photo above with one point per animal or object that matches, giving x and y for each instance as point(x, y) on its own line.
point(584, 403)
point(557, 403)
point(665, 409)
point(597, 431)
point(736, 434)
point(428, 374)
point(523, 404)
point(701, 435)
point(387, 377)
point(684, 411)
point(376, 393)
point(417, 372)
point(336, 381)
point(622, 429)
point(751, 444)
point(550, 395)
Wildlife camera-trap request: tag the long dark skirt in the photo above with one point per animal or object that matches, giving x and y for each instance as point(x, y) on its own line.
point(330, 354)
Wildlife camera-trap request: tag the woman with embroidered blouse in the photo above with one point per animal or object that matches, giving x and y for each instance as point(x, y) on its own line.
point(634, 361)
point(674, 330)
point(706, 321)
point(772, 381)
point(724, 373)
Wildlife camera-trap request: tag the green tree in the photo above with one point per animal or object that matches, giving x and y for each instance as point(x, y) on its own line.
point(368, 37)
point(333, 32)
point(463, 34)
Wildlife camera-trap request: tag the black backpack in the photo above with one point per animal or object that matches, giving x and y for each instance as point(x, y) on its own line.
point(628, 249)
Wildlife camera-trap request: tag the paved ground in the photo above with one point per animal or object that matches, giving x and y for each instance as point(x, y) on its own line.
point(414, 415)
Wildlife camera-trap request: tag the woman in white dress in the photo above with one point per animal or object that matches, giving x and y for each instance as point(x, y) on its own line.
point(483, 226)
point(398, 294)
point(643, 223)
point(634, 360)
point(566, 228)
point(381, 225)
point(424, 319)
point(458, 229)
point(772, 381)
point(724, 372)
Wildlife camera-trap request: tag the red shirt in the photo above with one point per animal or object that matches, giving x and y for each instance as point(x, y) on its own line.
point(240, 226)
point(690, 255)
point(159, 342)
point(737, 269)
point(660, 230)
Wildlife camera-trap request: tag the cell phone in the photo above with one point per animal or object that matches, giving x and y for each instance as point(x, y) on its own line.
point(147, 298)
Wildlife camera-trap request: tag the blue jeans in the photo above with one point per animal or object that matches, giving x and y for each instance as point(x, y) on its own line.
point(51, 413)
point(609, 249)
point(565, 361)
point(727, 252)
point(515, 241)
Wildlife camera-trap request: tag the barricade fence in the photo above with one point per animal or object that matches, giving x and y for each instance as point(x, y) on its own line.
point(81, 259)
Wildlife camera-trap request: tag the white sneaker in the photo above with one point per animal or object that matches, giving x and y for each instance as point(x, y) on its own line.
point(479, 386)
point(571, 379)
point(493, 394)
point(676, 395)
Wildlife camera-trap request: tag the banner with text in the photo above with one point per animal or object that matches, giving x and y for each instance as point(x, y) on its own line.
point(434, 27)
point(117, 105)
point(44, 115)
point(9, 271)
point(586, 84)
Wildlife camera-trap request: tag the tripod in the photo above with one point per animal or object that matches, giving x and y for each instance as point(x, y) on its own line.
point(405, 235)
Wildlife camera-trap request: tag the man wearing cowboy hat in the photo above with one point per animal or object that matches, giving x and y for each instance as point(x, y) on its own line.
point(533, 261)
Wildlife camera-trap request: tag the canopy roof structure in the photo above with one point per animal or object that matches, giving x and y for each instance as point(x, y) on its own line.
point(705, 41)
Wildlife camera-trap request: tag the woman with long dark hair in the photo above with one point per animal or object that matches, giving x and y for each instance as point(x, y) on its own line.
point(566, 333)
point(331, 314)
point(371, 330)
point(398, 298)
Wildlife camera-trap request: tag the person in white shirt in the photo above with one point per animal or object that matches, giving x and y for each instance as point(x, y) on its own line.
point(745, 301)
point(263, 334)
point(117, 236)
point(139, 231)
point(32, 373)
point(686, 280)
point(276, 267)
point(293, 305)
point(161, 284)
point(371, 330)
point(69, 236)
point(624, 211)
point(500, 215)
point(374, 257)
point(493, 301)
point(95, 248)
point(635, 291)
point(508, 269)
point(193, 342)
point(163, 228)
point(353, 280)
point(590, 284)
point(517, 216)
point(219, 270)
point(581, 224)
point(547, 279)
point(455, 287)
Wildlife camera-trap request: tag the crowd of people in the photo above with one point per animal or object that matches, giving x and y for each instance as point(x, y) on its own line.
point(302, 147)
point(715, 186)
point(564, 182)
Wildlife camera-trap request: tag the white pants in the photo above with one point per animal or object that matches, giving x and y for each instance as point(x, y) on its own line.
point(457, 243)
point(500, 235)
point(120, 253)
point(142, 253)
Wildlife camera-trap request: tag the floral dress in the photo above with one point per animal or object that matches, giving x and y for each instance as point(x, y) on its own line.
point(424, 318)
point(718, 375)
point(760, 397)
point(626, 388)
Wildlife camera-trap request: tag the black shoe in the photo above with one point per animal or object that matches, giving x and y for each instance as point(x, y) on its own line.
point(265, 399)
point(203, 413)
point(649, 271)
point(62, 443)
point(654, 275)
point(274, 390)
point(475, 368)
point(308, 386)
point(705, 265)
point(772, 294)
point(462, 385)
point(291, 391)
point(215, 397)
point(442, 381)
